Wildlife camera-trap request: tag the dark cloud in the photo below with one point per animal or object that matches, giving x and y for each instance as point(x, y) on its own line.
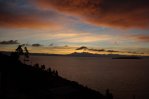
point(51, 44)
point(9, 42)
point(82, 48)
point(97, 50)
point(115, 13)
point(36, 45)
point(112, 51)
point(135, 52)
point(108, 50)
point(103, 50)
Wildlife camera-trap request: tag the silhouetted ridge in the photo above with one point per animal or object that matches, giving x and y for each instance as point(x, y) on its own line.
point(21, 81)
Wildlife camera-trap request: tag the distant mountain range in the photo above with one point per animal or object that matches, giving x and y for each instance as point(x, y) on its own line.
point(86, 54)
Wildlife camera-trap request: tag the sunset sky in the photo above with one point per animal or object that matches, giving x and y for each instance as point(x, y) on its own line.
point(61, 26)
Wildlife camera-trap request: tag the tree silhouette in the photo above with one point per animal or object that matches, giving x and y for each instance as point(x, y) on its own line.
point(19, 50)
point(108, 94)
point(43, 67)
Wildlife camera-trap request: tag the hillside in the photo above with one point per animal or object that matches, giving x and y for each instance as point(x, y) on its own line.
point(21, 81)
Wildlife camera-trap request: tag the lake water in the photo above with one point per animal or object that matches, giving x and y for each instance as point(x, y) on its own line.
point(124, 77)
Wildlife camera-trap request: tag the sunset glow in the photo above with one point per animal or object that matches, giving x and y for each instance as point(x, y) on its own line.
point(60, 28)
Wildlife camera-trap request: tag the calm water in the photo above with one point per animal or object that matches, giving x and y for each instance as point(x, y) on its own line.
point(124, 78)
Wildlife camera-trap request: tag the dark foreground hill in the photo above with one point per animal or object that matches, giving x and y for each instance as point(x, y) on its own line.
point(21, 81)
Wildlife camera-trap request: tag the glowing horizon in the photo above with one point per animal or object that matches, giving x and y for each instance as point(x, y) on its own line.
point(95, 24)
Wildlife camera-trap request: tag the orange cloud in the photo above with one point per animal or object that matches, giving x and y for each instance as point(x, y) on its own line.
point(14, 15)
point(12, 21)
point(144, 38)
point(9, 42)
point(115, 13)
point(138, 37)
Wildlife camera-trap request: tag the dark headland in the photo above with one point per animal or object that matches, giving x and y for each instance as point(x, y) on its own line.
point(22, 81)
